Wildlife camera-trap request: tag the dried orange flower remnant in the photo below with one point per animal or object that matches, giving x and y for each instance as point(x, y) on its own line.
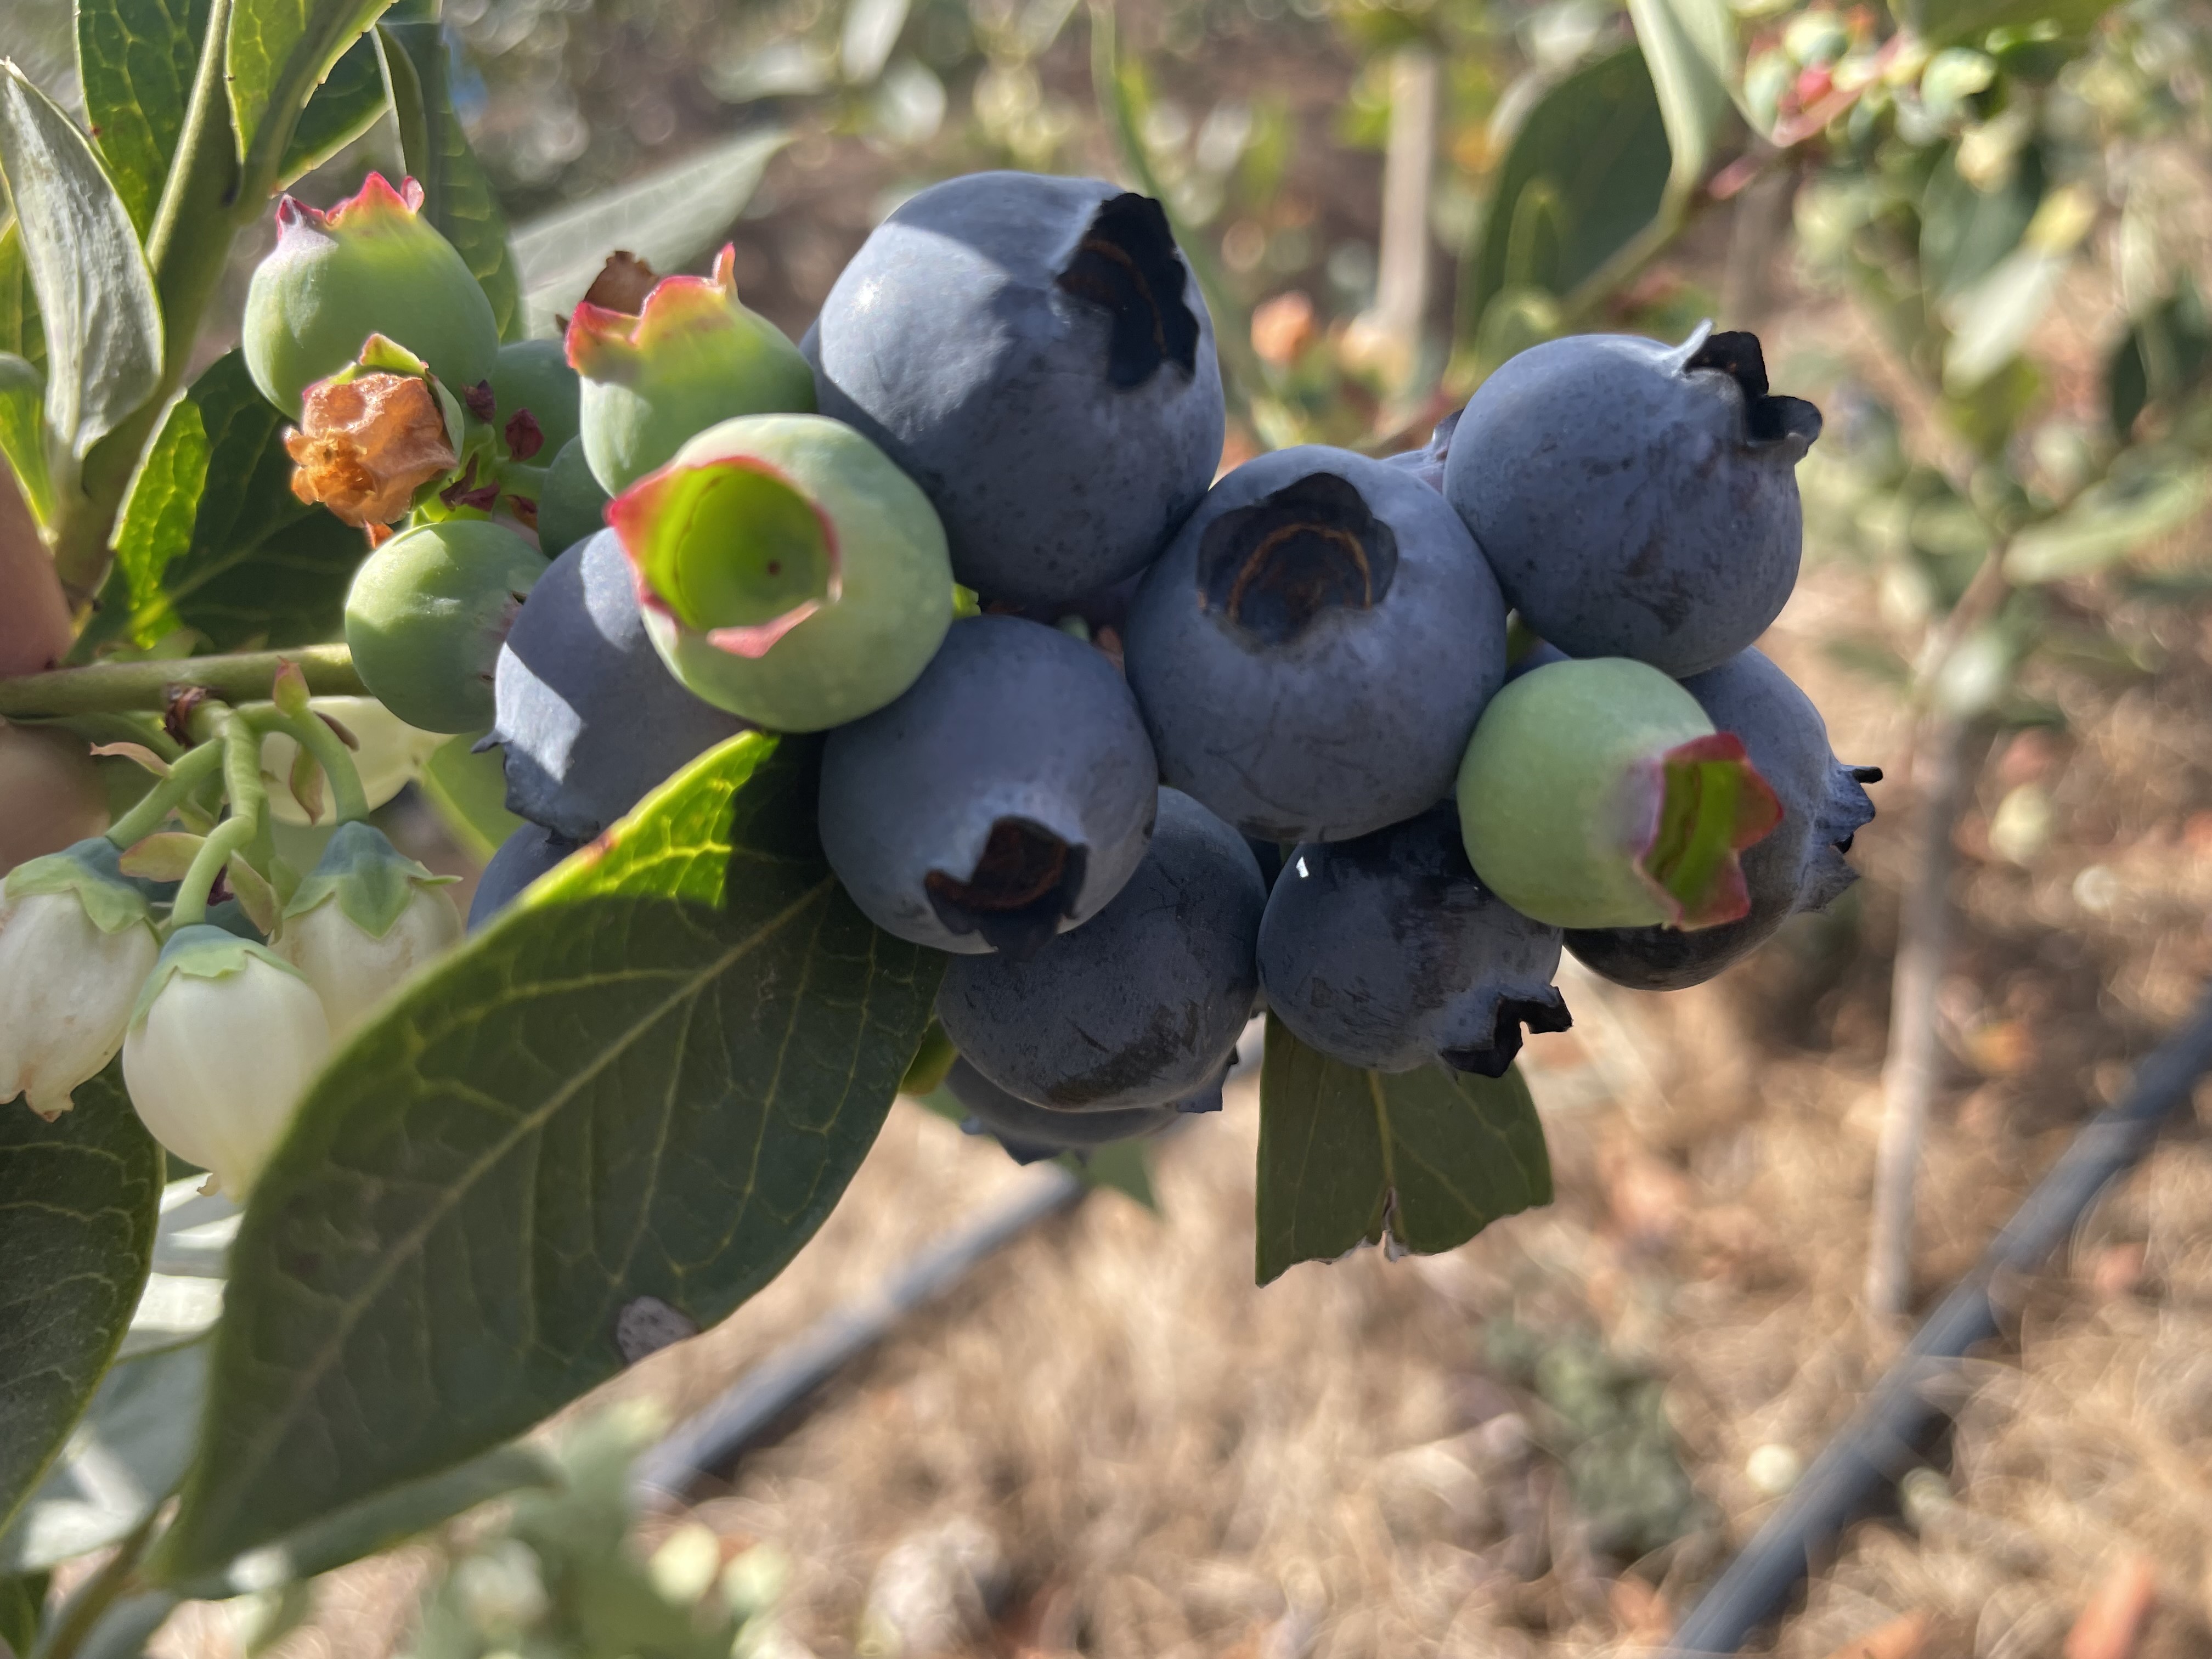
point(365, 445)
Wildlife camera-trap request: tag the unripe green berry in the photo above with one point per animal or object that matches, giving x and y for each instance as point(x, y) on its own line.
point(534, 376)
point(373, 264)
point(692, 355)
point(1596, 794)
point(426, 614)
point(787, 571)
point(571, 506)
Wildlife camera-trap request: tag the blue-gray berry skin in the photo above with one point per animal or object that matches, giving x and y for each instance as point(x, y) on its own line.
point(1004, 798)
point(1142, 1005)
point(1312, 649)
point(1035, 353)
point(1635, 499)
point(1799, 867)
point(1386, 952)
point(523, 857)
point(1031, 1134)
point(589, 718)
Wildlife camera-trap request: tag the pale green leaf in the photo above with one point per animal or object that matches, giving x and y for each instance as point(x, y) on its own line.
point(2109, 521)
point(20, 331)
point(1991, 319)
point(667, 218)
point(137, 58)
point(23, 432)
point(1427, 1158)
point(468, 792)
point(617, 1111)
point(102, 323)
point(78, 1200)
point(1690, 48)
point(278, 52)
point(344, 106)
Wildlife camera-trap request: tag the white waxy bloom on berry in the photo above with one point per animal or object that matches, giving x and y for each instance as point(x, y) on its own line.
point(226, 1039)
point(365, 921)
point(76, 941)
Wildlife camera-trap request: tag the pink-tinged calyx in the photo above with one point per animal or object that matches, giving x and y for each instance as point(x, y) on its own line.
point(376, 208)
point(1708, 803)
point(728, 549)
point(607, 344)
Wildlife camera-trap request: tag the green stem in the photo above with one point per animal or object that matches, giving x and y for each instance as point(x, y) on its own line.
point(232, 835)
point(348, 798)
point(184, 778)
point(91, 1600)
point(187, 249)
point(102, 687)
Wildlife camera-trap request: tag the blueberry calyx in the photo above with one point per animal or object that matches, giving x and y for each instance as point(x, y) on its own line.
point(1022, 887)
point(1713, 804)
point(1126, 265)
point(1514, 1015)
point(1768, 418)
point(1269, 569)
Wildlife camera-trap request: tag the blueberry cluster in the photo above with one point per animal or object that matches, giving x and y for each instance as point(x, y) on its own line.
point(1367, 743)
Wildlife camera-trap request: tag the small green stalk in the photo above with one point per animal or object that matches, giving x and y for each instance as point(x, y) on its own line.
point(240, 747)
point(184, 779)
point(314, 735)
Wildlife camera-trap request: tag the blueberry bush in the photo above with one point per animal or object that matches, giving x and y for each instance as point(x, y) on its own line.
point(937, 703)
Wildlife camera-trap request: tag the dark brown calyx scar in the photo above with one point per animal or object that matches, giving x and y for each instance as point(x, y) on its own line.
point(1127, 265)
point(1513, 1014)
point(1025, 884)
point(1269, 569)
point(1769, 418)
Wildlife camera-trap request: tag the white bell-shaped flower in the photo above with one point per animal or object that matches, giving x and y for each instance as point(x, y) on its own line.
point(76, 942)
point(365, 921)
point(220, 1051)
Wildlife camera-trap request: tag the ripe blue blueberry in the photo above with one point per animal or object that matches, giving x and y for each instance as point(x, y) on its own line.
point(1031, 1134)
point(588, 716)
point(1799, 867)
point(1006, 797)
point(523, 857)
point(1637, 500)
point(1033, 352)
point(1314, 647)
point(1142, 1005)
point(1386, 952)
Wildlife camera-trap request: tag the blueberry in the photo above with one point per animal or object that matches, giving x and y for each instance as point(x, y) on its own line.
point(523, 857)
point(426, 616)
point(1142, 1005)
point(571, 506)
point(1312, 649)
point(588, 715)
point(1637, 500)
point(1799, 868)
point(1004, 798)
point(1034, 353)
point(1032, 1134)
point(1386, 952)
point(533, 377)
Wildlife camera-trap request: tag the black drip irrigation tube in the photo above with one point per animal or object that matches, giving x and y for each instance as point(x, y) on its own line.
point(1882, 1443)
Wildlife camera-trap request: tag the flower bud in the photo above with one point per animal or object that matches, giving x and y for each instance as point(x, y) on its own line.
point(1597, 793)
point(373, 264)
point(691, 356)
point(76, 941)
point(366, 920)
point(787, 571)
point(225, 1040)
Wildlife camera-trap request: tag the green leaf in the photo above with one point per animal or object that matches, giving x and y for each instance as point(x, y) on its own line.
point(212, 537)
point(23, 1602)
point(278, 52)
point(1427, 1158)
point(622, 1107)
point(1586, 173)
point(344, 107)
point(103, 325)
point(468, 792)
point(122, 1462)
point(78, 1201)
point(456, 193)
point(1690, 50)
point(2110, 520)
point(668, 219)
point(2163, 355)
point(20, 331)
point(1964, 232)
point(1946, 22)
point(136, 58)
point(23, 432)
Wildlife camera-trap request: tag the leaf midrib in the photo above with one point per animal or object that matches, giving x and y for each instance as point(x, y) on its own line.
point(259, 1451)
